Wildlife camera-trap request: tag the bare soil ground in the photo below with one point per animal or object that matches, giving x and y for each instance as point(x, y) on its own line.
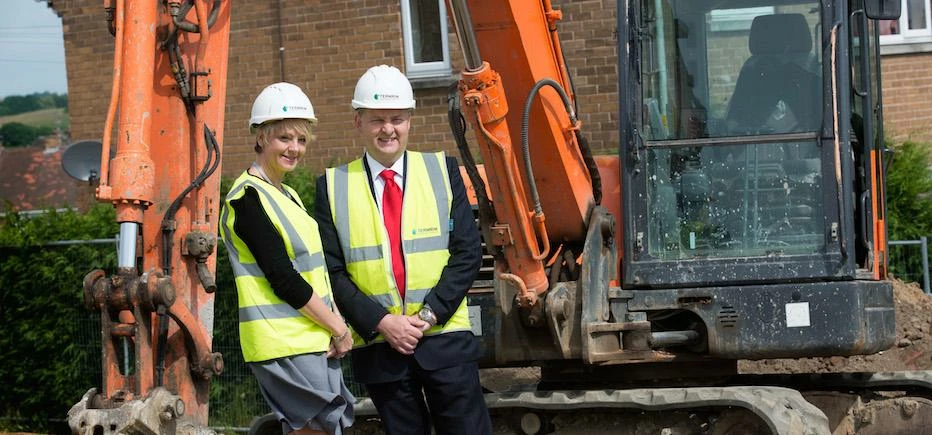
point(912, 351)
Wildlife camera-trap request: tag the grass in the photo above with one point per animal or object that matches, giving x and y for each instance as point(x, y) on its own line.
point(45, 117)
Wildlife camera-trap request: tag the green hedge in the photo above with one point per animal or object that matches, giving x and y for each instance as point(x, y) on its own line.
point(48, 360)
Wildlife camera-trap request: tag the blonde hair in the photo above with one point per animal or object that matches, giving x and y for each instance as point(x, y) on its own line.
point(274, 128)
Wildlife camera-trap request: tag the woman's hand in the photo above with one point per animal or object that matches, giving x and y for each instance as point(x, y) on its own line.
point(340, 344)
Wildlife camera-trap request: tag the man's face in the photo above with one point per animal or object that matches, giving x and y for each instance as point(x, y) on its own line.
point(385, 132)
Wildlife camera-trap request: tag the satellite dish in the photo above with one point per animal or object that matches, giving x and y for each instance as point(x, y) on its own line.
point(81, 160)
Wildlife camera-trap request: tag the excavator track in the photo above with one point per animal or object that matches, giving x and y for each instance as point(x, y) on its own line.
point(672, 411)
point(824, 403)
point(781, 410)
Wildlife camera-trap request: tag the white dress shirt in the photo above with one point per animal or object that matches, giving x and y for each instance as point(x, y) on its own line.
point(378, 183)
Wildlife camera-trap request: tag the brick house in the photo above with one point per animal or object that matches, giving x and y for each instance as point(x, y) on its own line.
point(325, 46)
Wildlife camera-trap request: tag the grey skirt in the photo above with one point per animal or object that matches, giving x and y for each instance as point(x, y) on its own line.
point(306, 390)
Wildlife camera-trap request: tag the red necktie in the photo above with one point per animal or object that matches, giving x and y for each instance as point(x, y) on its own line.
point(391, 214)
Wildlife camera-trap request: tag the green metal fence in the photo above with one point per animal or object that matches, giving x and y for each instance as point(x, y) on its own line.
point(909, 261)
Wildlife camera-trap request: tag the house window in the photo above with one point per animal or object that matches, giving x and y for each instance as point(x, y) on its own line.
point(426, 47)
point(913, 26)
point(723, 20)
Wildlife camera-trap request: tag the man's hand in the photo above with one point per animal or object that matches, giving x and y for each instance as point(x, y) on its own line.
point(400, 332)
point(418, 323)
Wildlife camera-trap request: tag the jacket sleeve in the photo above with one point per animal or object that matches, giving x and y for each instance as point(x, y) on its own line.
point(465, 252)
point(360, 311)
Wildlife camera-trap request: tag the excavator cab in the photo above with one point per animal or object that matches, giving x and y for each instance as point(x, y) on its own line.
point(740, 179)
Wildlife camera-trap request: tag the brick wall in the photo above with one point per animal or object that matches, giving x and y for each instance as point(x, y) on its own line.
point(89, 64)
point(587, 34)
point(907, 96)
point(327, 46)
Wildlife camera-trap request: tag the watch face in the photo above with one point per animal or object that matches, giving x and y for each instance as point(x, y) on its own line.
point(426, 315)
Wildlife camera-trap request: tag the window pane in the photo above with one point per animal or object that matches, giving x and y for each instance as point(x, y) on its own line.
point(916, 11)
point(729, 72)
point(425, 31)
point(735, 201)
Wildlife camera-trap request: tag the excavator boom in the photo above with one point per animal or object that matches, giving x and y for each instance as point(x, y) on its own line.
point(164, 129)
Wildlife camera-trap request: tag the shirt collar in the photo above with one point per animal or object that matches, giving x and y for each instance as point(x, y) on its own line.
point(376, 168)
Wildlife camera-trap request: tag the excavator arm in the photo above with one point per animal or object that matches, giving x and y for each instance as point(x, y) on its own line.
point(517, 40)
point(164, 129)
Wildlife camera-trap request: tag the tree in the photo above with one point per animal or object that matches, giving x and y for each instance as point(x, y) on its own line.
point(17, 134)
point(909, 186)
point(16, 104)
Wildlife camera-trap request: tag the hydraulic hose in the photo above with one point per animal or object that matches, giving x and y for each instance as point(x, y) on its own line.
point(168, 229)
point(180, 12)
point(583, 144)
point(458, 127)
point(168, 220)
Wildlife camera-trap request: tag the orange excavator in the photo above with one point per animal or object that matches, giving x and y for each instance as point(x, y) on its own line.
point(741, 217)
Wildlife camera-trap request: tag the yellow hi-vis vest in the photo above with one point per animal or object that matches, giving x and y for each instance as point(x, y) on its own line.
point(425, 234)
point(269, 328)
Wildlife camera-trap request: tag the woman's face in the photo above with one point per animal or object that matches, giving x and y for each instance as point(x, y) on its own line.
point(282, 148)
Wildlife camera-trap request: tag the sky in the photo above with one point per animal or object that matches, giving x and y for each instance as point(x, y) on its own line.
point(32, 49)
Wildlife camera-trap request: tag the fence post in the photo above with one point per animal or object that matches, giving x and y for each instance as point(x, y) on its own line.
point(925, 265)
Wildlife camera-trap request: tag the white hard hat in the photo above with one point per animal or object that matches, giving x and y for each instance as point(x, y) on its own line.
point(383, 87)
point(281, 101)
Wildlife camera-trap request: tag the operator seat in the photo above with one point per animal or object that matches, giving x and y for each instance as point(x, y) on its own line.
point(778, 87)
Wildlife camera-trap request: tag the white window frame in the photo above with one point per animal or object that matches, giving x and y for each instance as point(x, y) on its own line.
point(906, 35)
point(414, 69)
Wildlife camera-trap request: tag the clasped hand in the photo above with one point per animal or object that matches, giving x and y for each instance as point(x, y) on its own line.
point(339, 346)
point(402, 332)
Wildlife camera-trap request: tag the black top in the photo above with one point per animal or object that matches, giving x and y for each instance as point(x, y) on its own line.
point(254, 227)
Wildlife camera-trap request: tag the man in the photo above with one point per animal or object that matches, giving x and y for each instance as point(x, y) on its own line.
point(400, 274)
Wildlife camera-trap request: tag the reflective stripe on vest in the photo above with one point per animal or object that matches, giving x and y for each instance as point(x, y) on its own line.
point(269, 327)
point(425, 233)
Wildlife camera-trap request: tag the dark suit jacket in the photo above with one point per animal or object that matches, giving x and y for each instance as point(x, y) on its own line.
point(378, 362)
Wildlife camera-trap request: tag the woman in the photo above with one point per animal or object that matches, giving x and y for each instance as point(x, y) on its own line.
point(291, 332)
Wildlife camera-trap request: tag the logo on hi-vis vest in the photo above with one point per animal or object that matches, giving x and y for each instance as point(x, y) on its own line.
point(426, 231)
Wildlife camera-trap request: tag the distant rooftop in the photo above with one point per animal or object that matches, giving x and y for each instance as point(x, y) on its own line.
point(32, 178)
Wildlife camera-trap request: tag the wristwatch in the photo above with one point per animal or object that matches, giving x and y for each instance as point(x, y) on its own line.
point(426, 314)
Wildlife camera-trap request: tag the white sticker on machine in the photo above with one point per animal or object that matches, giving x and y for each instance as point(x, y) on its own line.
point(797, 314)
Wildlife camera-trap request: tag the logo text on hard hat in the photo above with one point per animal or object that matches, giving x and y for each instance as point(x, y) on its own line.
point(385, 96)
point(287, 108)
